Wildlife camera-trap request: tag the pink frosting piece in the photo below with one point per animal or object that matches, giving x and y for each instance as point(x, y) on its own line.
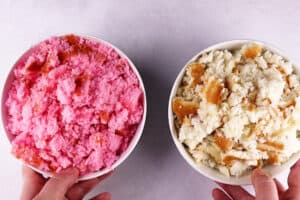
point(74, 102)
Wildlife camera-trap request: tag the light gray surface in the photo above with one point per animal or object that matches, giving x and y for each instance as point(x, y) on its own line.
point(159, 36)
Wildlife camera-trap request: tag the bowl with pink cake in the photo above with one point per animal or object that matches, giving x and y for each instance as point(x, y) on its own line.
point(73, 101)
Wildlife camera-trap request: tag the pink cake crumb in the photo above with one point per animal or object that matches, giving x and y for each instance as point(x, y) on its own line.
point(74, 102)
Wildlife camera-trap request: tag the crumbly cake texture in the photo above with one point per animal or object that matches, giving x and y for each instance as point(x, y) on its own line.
point(73, 102)
point(236, 110)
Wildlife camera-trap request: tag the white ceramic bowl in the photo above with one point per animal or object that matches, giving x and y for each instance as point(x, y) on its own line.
point(133, 141)
point(201, 168)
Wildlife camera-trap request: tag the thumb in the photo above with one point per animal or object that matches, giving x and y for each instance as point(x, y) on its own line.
point(293, 182)
point(57, 186)
point(264, 186)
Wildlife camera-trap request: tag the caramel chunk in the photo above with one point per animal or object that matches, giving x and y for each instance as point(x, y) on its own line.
point(213, 92)
point(282, 70)
point(276, 145)
point(291, 102)
point(183, 108)
point(196, 70)
point(273, 158)
point(252, 51)
point(223, 142)
point(252, 97)
point(270, 146)
point(228, 160)
point(259, 164)
point(251, 107)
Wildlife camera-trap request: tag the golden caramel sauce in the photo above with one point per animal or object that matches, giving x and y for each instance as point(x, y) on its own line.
point(273, 158)
point(253, 51)
point(183, 108)
point(290, 103)
point(213, 92)
point(288, 82)
point(223, 142)
point(252, 97)
point(251, 107)
point(276, 145)
point(269, 146)
point(197, 70)
point(283, 114)
point(259, 164)
point(227, 160)
point(281, 70)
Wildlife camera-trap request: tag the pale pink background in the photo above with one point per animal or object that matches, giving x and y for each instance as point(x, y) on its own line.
point(159, 36)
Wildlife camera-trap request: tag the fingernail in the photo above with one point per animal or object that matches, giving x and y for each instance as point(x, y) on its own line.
point(70, 172)
point(258, 173)
point(215, 193)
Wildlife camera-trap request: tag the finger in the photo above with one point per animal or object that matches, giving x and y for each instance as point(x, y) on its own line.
point(102, 196)
point(79, 190)
point(293, 181)
point(279, 186)
point(57, 186)
point(219, 195)
point(33, 183)
point(236, 192)
point(294, 176)
point(265, 187)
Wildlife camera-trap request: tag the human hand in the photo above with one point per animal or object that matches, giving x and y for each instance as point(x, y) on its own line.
point(265, 187)
point(62, 186)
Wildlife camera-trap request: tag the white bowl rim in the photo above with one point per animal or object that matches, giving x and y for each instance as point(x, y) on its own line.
point(201, 168)
point(135, 139)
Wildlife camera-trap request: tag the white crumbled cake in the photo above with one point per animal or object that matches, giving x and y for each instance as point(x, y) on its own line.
point(238, 110)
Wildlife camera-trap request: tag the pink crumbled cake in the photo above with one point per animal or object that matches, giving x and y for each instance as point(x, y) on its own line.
point(73, 102)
